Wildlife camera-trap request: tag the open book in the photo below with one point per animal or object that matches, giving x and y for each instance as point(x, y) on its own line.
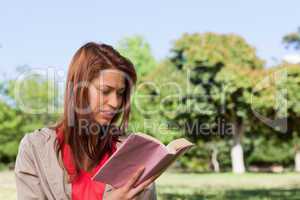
point(138, 150)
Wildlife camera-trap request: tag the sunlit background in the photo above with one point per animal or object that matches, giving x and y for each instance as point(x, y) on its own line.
point(223, 74)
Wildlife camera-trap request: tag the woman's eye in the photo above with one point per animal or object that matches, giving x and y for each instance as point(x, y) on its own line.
point(105, 92)
point(121, 93)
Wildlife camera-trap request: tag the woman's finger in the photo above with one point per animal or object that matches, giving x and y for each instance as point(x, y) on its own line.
point(135, 191)
point(134, 178)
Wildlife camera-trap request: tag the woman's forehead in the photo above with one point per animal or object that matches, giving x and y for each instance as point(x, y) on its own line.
point(111, 78)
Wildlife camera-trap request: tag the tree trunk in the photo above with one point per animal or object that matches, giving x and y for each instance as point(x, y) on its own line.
point(214, 160)
point(297, 161)
point(237, 154)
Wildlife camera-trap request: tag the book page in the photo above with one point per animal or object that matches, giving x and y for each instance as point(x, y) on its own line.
point(149, 137)
point(160, 167)
point(134, 152)
point(167, 161)
point(178, 144)
point(138, 151)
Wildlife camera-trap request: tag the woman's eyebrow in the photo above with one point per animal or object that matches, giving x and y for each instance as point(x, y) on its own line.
point(113, 87)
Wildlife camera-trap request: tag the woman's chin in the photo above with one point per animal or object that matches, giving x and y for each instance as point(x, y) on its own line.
point(103, 121)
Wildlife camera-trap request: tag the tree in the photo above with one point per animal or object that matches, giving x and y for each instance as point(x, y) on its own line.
point(10, 129)
point(278, 102)
point(218, 65)
point(36, 98)
point(163, 88)
point(26, 105)
point(238, 84)
point(138, 50)
point(291, 84)
point(292, 39)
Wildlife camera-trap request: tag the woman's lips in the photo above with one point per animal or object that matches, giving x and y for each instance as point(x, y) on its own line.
point(108, 115)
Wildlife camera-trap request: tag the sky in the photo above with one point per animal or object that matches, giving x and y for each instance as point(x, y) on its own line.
point(43, 34)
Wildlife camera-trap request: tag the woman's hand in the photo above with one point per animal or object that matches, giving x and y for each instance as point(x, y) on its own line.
point(128, 191)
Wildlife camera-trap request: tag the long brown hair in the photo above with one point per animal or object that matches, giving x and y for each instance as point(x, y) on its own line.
point(86, 65)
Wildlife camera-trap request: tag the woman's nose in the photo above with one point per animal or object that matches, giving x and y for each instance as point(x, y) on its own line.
point(113, 100)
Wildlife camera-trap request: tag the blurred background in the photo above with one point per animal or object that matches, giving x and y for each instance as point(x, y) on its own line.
point(224, 74)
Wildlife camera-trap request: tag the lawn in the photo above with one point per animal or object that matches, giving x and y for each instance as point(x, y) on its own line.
point(225, 186)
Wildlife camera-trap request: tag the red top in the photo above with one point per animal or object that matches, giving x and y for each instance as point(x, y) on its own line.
point(83, 188)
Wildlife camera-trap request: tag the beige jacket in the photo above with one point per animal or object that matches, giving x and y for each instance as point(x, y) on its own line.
point(39, 174)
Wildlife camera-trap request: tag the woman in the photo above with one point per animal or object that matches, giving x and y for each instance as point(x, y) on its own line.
point(58, 162)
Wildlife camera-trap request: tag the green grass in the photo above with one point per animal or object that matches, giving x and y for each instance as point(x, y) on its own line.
point(225, 186)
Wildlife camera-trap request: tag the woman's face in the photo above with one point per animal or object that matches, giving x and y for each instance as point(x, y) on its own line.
point(106, 94)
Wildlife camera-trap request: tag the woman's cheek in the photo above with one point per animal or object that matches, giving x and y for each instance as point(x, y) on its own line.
point(94, 102)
